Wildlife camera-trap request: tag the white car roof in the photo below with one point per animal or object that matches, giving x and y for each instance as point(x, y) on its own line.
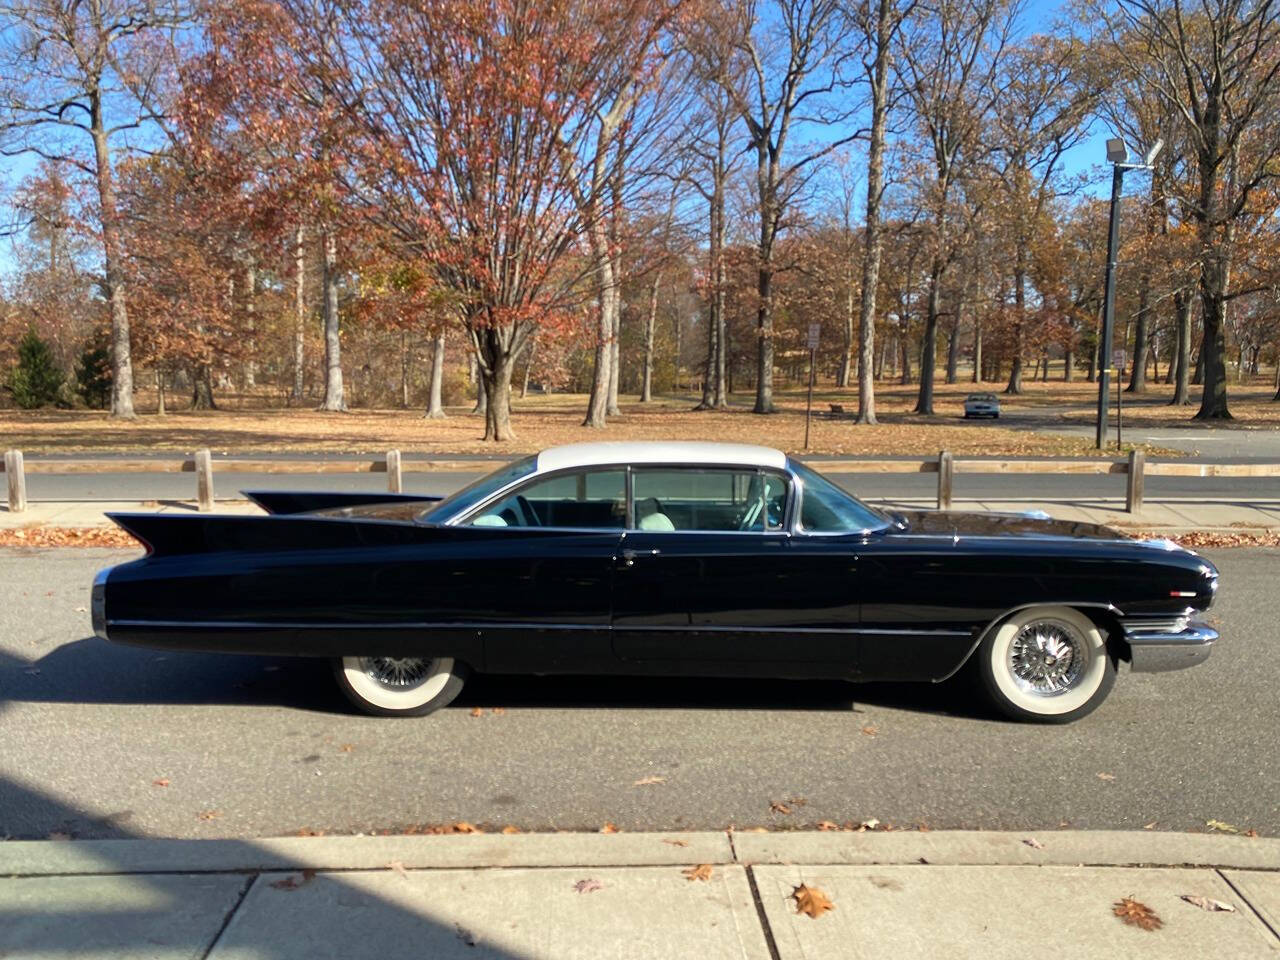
point(667, 451)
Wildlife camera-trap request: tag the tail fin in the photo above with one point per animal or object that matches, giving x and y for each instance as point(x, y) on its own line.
point(284, 502)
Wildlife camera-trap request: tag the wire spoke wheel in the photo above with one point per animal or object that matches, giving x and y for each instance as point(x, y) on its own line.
point(397, 673)
point(1047, 657)
point(400, 686)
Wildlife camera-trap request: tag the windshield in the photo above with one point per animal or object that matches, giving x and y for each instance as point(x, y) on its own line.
point(466, 498)
point(825, 508)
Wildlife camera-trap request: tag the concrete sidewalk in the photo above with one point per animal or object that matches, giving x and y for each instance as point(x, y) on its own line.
point(895, 895)
point(1167, 515)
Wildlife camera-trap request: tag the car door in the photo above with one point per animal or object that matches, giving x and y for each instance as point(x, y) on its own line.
point(535, 567)
point(702, 581)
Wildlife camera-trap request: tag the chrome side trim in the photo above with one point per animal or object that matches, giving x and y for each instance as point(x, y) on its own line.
point(515, 625)
point(98, 604)
point(982, 634)
point(1157, 650)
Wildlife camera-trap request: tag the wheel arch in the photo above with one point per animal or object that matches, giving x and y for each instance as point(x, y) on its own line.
point(1105, 615)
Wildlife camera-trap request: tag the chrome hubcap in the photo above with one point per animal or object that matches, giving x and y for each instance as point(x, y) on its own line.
point(1047, 657)
point(396, 673)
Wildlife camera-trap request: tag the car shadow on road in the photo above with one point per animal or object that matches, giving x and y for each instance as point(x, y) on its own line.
point(95, 671)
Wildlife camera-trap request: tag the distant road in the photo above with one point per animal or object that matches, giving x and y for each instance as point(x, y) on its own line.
point(874, 486)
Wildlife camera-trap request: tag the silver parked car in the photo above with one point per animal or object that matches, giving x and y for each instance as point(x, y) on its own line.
point(982, 405)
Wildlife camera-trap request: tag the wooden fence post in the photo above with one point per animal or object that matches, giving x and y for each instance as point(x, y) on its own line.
point(395, 478)
point(946, 473)
point(204, 480)
point(14, 473)
point(1134, 488)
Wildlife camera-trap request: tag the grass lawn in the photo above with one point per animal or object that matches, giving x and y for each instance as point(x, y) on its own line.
point(250, 425)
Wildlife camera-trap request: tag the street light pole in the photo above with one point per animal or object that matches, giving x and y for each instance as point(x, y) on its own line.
point(1108, 305)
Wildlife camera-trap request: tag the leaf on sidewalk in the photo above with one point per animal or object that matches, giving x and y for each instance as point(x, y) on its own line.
point(1221, 827)
point(1251, 832)
point(701, 872)
point(477, 711)
point(869, 731)
point(811, 901)
point(588, 886)
point(1106, 776)
point(609, 828)
point(1151, 825)
point(293, 883)
point(398, 867)
point(208, 814)
point(866, 825)
point(160, 782)
point(1033, 843)
point(1208, 903)
point(463, 827)
point(649, 781)
point(777, 806)
point(510, 829)
point(1137, 914)
point(828, 825)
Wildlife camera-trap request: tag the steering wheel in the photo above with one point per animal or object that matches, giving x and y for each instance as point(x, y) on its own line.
point(530, 516)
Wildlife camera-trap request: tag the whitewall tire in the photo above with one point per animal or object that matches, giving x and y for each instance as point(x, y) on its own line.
point(400, 686)
point(1045, 664)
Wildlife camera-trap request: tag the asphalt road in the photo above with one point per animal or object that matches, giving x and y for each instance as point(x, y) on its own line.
point(872, 486)
point(249, 746)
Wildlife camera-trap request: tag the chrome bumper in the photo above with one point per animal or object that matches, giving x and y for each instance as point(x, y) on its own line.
point(1171, 645)
point(98, 604)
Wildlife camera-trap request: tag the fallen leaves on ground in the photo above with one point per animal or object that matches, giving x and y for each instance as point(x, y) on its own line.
point(869, 731)
point(1137, 914)
point(869, 824)
point(701, 872)
point(1151, 825)
point(160, 782)
point(308, 832)
point(347, 747)
point(398, 867)
point(293, 883)
point(509, 829)
point(778, 806)
point(677, 843)
point(1033, 843)
point(811, 901)
point(1251, 832)
point(1210, 538)
point(1221, 827)
point(649, 781)
point(435, 829)
point(50, 536)
point(609, 828)
point(827, 825)
point(1106, 776)
point(208, 814)
point(1208, 903)
point(588, 886)
point(477, 711)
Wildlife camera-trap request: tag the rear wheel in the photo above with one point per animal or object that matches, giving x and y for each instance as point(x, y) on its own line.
point(400, 686)
point(1047, 664)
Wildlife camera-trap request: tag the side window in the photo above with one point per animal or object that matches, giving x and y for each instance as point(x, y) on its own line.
point(590, 499)
point(707, 500)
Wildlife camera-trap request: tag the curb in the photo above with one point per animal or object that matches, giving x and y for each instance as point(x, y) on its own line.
point(950, 847)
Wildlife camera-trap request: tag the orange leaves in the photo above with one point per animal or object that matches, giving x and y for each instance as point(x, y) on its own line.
point(292, 882)
point(701, 872)
point(1137, 914)
point(49, 536)
point(811, 901)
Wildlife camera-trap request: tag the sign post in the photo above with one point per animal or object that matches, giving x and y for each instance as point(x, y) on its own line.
point(1119, 362)
point(815, 330)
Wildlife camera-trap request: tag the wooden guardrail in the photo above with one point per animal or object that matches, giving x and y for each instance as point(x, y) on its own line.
point(945, 465)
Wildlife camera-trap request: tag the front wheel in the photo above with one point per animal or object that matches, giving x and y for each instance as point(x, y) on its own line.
point(1047, 664)
point(400, 686)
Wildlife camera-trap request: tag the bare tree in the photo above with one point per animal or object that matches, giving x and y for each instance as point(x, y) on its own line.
point(1217, 65)
point(950, 59)
point(77, 75)
point(798, 63)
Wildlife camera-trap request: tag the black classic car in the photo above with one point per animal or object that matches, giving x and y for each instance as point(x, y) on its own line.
point(661, 559)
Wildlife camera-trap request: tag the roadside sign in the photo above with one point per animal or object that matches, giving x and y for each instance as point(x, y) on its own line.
point(815, 329)
point(1118, 358)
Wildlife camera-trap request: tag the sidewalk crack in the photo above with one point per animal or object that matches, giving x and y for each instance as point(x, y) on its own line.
point(1252, 909)
point(226, 921)
point(767, 930)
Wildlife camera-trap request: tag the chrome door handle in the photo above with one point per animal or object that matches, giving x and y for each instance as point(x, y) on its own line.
point(629, 556)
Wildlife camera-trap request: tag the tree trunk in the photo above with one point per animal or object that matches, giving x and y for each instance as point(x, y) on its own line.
point(615, 354)
point(977, 349)
point(598, 404)
point(528, 366)
point(764, 331)
point(929, 345)
point(333, 395)
point(1020, 317)
point(482, 394)
point(299, 312)
point(160, 410)
point(251, 326)
point(435, 401)
point(1214, 274)
point(650, 321)
point(202, 389)
point(121, 352)
point(953, 350)
point(845, 372)
point(496, 366)
point(404, 370)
